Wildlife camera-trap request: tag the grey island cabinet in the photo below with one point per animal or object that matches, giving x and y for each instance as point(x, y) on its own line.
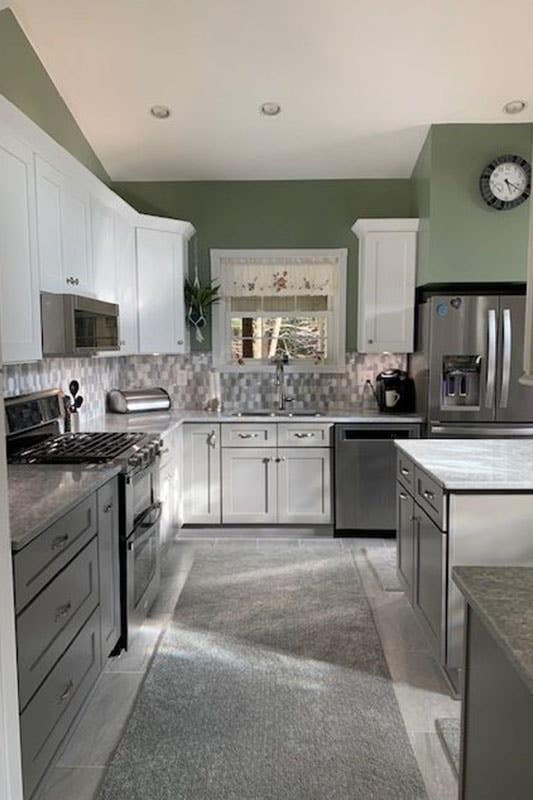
point(459, 502)
point(67, 599)
point(497, 712)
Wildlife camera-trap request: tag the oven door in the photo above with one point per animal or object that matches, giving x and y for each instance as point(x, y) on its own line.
point(142, 569)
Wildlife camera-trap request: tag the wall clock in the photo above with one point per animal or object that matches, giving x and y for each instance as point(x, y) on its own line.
point(506, 182)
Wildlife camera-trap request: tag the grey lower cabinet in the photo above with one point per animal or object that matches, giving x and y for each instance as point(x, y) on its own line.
point(67, 590)
point(497, 715)
point(429, 595)
point(405, 539)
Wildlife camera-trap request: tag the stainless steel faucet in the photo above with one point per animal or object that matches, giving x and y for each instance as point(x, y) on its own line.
point(280, 361)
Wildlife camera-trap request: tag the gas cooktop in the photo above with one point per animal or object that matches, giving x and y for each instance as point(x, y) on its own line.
point(77, 448)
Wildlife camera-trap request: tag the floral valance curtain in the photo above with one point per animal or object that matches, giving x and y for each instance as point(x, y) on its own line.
point(260, 277)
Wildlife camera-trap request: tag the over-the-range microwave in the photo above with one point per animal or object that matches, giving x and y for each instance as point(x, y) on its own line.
point(73, 325)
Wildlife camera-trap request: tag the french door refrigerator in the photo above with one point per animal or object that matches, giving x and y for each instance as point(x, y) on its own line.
point(467, 364)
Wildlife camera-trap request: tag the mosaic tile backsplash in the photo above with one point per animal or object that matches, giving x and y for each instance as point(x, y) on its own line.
point(188, 378)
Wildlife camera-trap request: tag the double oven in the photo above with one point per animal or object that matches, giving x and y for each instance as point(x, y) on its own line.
point(139, 546)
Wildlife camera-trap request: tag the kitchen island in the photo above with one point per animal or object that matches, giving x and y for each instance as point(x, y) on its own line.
point(459, 502)
point(497, 713)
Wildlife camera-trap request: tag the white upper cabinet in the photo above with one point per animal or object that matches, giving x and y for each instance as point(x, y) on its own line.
point(19, 278)
point(387, 273)
point(103, 251)
point(126, 273)
point(64, 231)
point(161, 255)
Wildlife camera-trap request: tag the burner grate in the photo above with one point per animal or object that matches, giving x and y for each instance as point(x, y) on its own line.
point(71, 448)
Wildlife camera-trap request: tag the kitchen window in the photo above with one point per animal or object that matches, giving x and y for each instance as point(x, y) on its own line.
point(280, 302)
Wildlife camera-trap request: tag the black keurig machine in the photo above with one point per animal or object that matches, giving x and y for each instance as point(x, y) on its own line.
point(395, 392)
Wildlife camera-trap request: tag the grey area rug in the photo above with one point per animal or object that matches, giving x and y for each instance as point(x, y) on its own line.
point(449, 731)
point(269, 684)
point(382, 561)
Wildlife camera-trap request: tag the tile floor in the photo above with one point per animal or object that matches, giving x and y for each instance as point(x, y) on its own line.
point(420, 689)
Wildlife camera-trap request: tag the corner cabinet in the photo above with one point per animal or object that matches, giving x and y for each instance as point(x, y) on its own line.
point(161, 268)
point(201, 474)
point(387, 273)
point(19, 275)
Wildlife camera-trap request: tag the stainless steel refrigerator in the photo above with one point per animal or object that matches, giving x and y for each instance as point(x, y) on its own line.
point(469, 356)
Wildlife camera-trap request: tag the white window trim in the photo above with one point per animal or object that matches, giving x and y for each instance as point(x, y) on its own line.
point(336, 332)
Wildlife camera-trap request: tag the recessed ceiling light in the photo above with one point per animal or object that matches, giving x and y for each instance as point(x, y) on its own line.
point(514, 106)
point(270, 109)
point(160, 112)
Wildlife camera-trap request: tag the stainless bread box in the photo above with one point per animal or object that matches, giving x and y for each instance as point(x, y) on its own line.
point(131, 401)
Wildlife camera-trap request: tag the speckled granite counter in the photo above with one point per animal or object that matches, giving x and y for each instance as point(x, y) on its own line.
point(163, 422)
point(474, 464)
point(503, 598)
point(40, 495)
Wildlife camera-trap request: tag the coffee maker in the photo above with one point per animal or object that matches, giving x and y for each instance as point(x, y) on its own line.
point(395, 392)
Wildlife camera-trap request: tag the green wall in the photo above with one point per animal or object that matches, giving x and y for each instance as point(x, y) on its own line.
point(462, 238)
point(25, 82)
point(269, 214)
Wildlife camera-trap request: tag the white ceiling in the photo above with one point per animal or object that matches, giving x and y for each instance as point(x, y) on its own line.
point(359, 81)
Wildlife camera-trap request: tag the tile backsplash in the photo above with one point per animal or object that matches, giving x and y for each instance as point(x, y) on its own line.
point(187, 379)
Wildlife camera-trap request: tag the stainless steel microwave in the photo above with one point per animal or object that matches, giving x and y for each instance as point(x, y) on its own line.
point(73, 325)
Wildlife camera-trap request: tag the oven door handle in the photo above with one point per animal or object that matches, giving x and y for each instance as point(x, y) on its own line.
point(133, 540)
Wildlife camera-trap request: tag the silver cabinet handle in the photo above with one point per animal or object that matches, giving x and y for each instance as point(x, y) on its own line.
point(491, 359)
point(59, 542)
point(300, 435)
point(267, 460)
point(279, 459)
point(247, 435)
point(62, 611)
point(66, 693)
point(108, 507)
point(428, 495)
point(212, 439)
point(404, 471)
point(507, 347)
point(180, 341)
point(403, 496)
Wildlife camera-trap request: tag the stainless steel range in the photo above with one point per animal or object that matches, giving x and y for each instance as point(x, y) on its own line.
point(34, 436)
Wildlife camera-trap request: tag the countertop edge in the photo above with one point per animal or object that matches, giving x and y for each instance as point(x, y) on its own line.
point(460, 578)
point(105, 476)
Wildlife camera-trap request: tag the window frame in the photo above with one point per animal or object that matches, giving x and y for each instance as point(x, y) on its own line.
point(222, 313)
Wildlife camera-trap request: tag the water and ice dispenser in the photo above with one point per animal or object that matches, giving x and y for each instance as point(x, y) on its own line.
point(461, 381)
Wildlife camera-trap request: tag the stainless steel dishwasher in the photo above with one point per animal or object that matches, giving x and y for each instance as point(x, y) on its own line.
point(365, 475)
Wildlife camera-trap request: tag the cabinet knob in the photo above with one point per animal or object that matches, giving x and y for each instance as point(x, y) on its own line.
point(370, 341)
point(180, 341)
point(108, 508)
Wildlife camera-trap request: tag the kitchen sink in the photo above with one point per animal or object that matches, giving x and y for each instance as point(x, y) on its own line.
point(312, 412)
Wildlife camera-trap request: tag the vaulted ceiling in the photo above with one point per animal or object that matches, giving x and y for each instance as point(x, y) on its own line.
point(359, 81)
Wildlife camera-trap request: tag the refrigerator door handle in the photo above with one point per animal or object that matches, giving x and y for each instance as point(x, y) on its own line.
point(491, 359)
point(506, 357)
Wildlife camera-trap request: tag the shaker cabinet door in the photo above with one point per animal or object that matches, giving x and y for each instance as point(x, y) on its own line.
point(103, 252)
point(19, 278)
point(201, 474)
point(304, 486)
point(126, 274)
point(249, 485)
point(430, 594)
point(405, 540)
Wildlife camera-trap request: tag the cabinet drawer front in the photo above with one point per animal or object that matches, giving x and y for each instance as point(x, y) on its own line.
point(48, 717)
point(249, 434)
point(406, 471)
point(431, 497)
point(37, 563)
point(308, 434)
point(46, 626)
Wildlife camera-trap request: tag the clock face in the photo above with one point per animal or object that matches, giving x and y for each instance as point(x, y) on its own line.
point(505, 182)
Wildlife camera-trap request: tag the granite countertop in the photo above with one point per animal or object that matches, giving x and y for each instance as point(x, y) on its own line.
point(40, 494)
point(165, 421)
point(503, 598)
point(474, 464)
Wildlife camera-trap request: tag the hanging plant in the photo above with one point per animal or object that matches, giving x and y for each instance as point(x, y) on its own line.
point(199, 298)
